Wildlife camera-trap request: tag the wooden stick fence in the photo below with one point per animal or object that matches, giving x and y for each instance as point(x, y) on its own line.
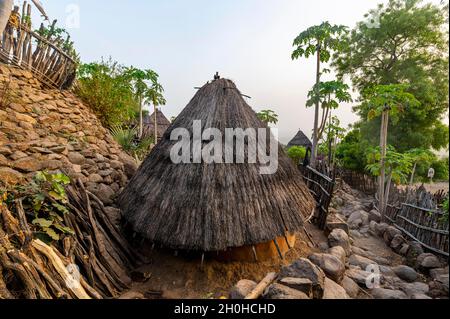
point(362, 182)
point(43, 56)
point(321, 187)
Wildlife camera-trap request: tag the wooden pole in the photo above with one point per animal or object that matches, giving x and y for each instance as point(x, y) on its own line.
point(383, 147)
point(259, 289)
point(316, 113)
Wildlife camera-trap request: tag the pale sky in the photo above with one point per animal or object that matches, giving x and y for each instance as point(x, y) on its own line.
point(186, 42)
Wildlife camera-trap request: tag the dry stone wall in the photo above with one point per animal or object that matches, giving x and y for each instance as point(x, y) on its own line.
point(45, 129)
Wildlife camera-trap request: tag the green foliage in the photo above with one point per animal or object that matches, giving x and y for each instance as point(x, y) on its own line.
point(128, 139)
point(410, 45)
point(441, 169)
point(396, 164)
point(331, 93)
point(297, 153)
point(45, 196)
point(268, 117)
point(445, 210)
point(57, 35)
point(351, 152)
point(324, 37)
point(105, 87)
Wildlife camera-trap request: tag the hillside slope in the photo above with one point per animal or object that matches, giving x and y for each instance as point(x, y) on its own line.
point(44, 129)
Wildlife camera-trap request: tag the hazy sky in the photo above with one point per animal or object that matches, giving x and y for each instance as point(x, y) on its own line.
point(186, 42)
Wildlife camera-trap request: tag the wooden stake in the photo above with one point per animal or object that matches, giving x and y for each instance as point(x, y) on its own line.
point(259, 289)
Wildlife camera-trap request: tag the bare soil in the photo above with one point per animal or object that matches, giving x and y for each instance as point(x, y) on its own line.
point(183, 277)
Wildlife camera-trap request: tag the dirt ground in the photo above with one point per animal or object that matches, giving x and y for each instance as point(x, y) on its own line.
point(183, 277)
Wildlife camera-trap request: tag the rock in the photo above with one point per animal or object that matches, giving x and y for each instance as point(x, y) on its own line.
point(355, 220)
point(420, 296)
point(381, 228)
point(438, 289)
point(437, 272)
point(104, 193)
point(95, 178)
point(358, 275)
point(9, 176)
point(404, 249)
point(338, 237)
point(303, 268)
point(18, 155)
point(129, 165)
point(375, 216)
point(242, 289)
point(381, 293)
point(301, 284)
point(350, 286)
point(360, 261)
point(334, 291)
point(444, 280)
point(27, 164)
point(414, 251)
point(387, 271)
point(336, 225)
point(406, 273)
point(331, 265)
point(428, 261)
point(3, 160)
point(24, 118)
point(390, 233)
point(397, 243)
point(76, 158)
point(339, 252)
point(277, 291)
point(414, 288)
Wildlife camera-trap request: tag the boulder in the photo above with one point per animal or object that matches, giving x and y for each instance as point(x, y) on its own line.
point(76, 158)
point(397, 243)
point(420, 296)
point(333, 267)
point(113, 215)
point(242, 289)
point(301, 284)
point(278, 291)
point(338, 237)
point(406, 273)
point(390, 233)
point(10, 176)
point(350, 286)
point(129, 295)
point(336, 224)
point(104, 193)
point(414, 251)
point(374, 216)
point(334, 291)
point(427, 261)
point(414, 288)
point(438, 289)
point(303, 268)
point(355, 220)
point(358, 275)
point(437, 272)
point(27, 164)
point(339, 252)
point(360, 261)
point(381, 228)
point(404, 249)
point(381, 293)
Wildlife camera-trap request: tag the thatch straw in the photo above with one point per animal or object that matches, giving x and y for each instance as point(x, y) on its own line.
point(300, 140)
point(162, 124)
point(212, 207)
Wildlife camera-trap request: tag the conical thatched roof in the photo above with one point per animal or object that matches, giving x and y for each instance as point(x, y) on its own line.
point(300, 140)
point(162, 124)
point(212, 207)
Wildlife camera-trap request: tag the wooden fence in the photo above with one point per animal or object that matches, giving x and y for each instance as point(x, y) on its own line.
point(421, 220)
point(43, 56)
point(362, 182)
point(321, 187)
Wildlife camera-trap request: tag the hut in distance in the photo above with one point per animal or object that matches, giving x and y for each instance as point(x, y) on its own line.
point(300, 139)
point(228, 209)
point(162, 124)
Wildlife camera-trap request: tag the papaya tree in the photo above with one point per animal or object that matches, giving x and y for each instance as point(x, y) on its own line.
point(385, 101)
point(268, 116)
point(319, 41)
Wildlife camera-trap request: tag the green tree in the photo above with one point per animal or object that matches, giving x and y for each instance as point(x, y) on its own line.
point(384, 101)
point(146, 90)
point(297, 153)
point(417, 156)
point(409, 45)
point(268, 117)
point(104, 87)
point(320, 40)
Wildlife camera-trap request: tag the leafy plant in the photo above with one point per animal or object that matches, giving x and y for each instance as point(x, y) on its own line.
point(445, 210)
point(128, 139)
point(45, 196)
point(57, 35)
point(268, 116)
point(297, 153)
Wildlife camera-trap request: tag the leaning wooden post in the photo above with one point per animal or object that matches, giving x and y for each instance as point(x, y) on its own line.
point(259, 289)
point(383, 146)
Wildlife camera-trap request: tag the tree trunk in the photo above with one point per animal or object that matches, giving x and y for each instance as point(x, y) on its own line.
point(388, 190)
point(316, 114)
point(411, 182)
point(156, 124)
point(141, 118)
point(383, 146)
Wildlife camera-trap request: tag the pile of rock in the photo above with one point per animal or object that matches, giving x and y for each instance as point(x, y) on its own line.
point(43, 129)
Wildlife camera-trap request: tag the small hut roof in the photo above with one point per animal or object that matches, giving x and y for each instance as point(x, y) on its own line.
point(212, 207)
point(300, 140)
point(162, 123)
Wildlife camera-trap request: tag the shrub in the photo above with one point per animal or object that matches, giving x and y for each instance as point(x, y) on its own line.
point(297, 154)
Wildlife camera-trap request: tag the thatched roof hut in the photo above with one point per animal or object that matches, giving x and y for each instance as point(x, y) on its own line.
point(300, 140)
point(162, 124)
point(213, 207)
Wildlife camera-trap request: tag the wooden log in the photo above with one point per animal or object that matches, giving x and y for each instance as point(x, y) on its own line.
point(259, 289)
